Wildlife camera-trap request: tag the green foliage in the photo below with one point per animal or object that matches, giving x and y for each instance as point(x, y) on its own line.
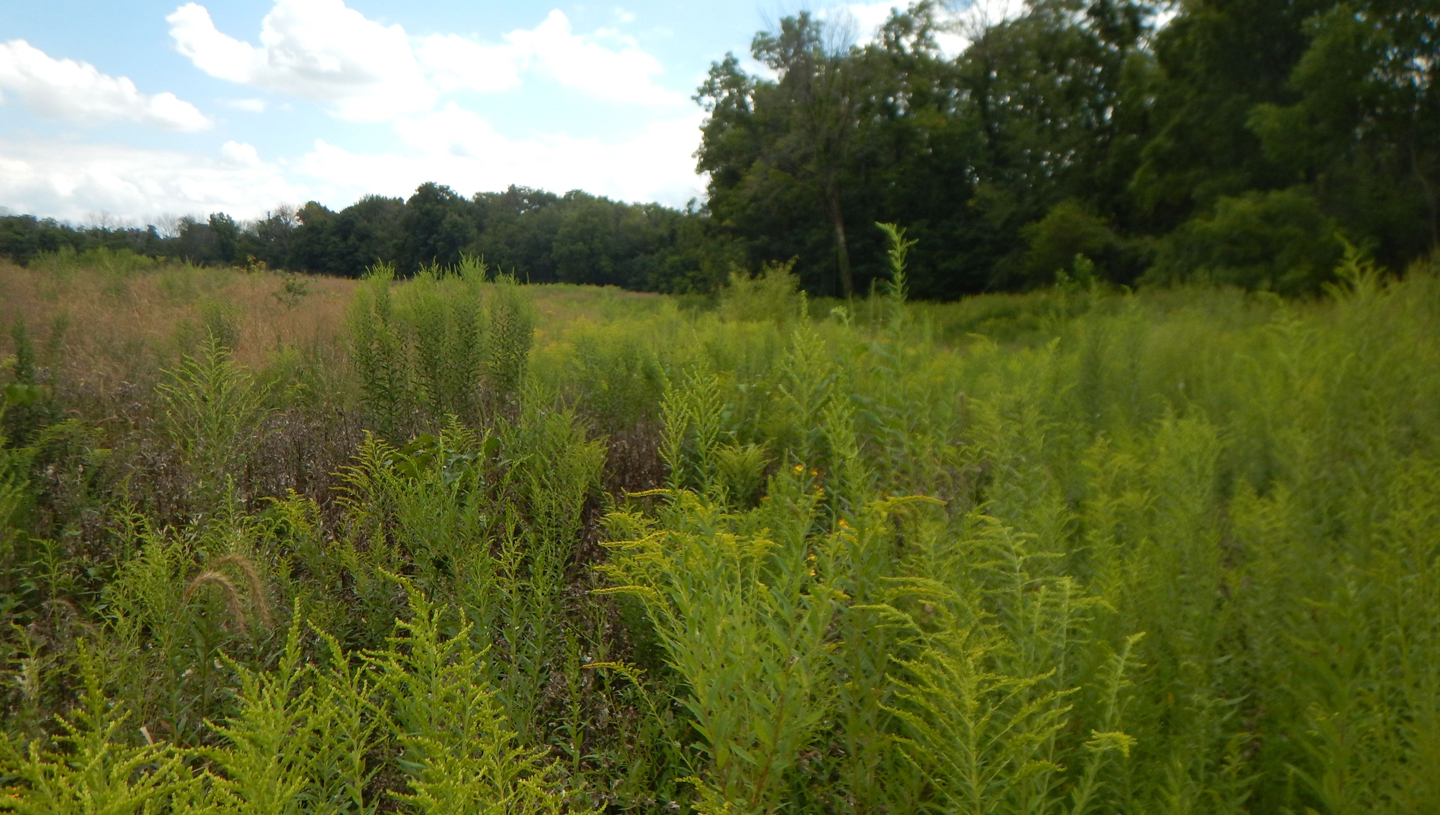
point(427, 353)
point(26, 406)
point(1276, 241)
point(770, 296)
point(293, 290)
point(744, 623)
point(265, 765)
point(1065, 232)
point(896, 288)
point(617, 378)
point(95, 771)
point(380, 353)
point(1103, 128)
point(511, 335)
point(456, 751)
point(117, 263)
point(1167, 551)
point(1360, 123)
point(214, 414)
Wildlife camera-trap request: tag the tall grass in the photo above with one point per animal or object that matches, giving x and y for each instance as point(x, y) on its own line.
point(1077, 551)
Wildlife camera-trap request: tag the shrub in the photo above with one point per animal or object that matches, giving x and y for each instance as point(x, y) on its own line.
point(1065, 232)
point(1274, 241)
point(770, 296)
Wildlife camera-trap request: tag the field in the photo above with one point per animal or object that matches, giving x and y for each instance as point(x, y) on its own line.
point(271, 544)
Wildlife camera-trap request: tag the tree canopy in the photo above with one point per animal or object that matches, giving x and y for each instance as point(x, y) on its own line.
point(1238, 141)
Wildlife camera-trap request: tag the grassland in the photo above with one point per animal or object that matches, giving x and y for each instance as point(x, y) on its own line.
point(451, 545)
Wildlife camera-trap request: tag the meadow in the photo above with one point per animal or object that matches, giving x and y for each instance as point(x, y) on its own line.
point(273, 544)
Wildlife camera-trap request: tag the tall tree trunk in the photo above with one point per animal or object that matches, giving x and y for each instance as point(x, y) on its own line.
point(842, 249)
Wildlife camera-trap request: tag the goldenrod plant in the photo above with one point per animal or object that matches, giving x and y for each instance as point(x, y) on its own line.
point(489, 547)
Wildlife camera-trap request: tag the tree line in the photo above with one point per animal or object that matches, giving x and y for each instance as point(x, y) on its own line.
point(1241, 142)
point(539, 236)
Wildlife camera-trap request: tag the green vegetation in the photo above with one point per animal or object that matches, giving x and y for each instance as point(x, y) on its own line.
point(495, 548)
point(1240, 142)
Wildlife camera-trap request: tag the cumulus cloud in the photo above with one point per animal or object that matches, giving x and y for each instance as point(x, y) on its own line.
point(621, 74)
point(78, 92)
point(76, 181)
point(359, 69)
point(456, 62)
point(236, 154)
point(459, 148)
point(316, 49)
point(865, 17)
point(451, 146)
point(958, 27)
point(247, 105)
point(324, 51)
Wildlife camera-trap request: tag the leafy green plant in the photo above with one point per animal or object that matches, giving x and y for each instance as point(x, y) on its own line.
point(773, 295)
point(214, 413)
point(743, 621)
point(95, 769)
point(456, 750)
point(1166, 551)
point(293, 288)
point(511, 335)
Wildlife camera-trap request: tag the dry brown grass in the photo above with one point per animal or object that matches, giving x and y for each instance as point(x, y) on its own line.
point(104, 330)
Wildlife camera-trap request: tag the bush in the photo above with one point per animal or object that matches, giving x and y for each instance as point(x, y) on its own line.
point(1270, 241)
point(771, 296)
point(1068, 230)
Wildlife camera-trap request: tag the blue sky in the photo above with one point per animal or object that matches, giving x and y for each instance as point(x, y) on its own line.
point(140, 111)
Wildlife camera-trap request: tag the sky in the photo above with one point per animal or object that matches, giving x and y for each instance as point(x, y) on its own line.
point(139, 112)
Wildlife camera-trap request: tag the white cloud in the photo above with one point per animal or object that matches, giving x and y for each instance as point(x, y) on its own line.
point(585, 64)
point(247, 105)
point(451, 146)
point(457, 147)
point(76, 181)
point(77, 92)
point(455, 62)
point(316, 49)
point(358, 69)
point(236, 154)
point(985, 13)
point(364, 71)
point(957, 28)
point(866, 17)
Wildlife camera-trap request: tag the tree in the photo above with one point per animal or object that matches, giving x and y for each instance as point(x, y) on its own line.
point(268, 239)
point(1068, 230)
point(518, 231)
point(1049, 94)
point(1279, 241)
point(196, 241)
point(367, 232)
point(227, 238)
point(19, 235)
point(438, 225)
point(584, 248)
point(313, 244)
point(1364, 133)
point(791, 136)
point(1216, 61)
point(1038, 110)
